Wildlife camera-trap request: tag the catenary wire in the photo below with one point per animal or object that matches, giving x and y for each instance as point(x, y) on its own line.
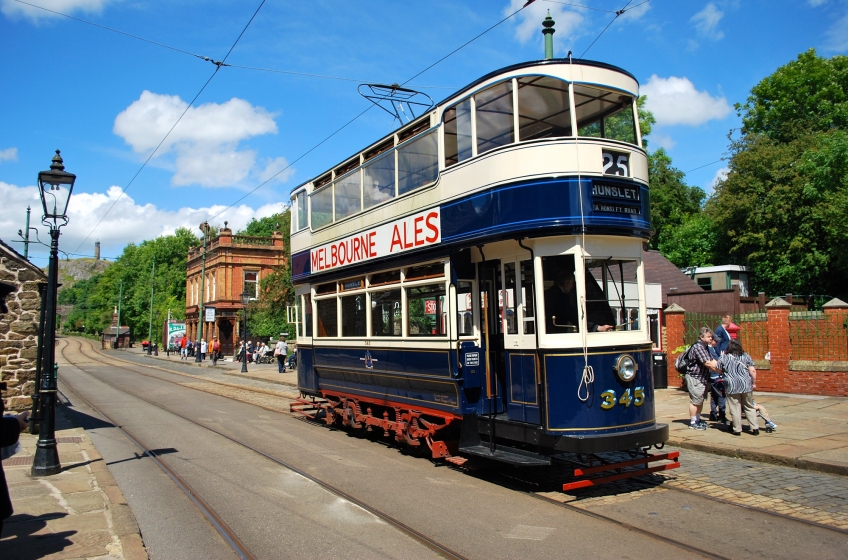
point(348, 123)
point(111, 29)
point(579, 6)
point(618, 13)
point(143, 165)
point(705, 165)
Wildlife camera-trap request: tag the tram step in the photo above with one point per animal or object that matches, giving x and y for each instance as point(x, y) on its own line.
point(508, 455)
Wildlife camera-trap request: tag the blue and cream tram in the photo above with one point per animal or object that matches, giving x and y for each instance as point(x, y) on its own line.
point(426, 270)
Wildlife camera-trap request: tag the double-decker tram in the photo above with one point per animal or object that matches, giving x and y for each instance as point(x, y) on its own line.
point(472, 284)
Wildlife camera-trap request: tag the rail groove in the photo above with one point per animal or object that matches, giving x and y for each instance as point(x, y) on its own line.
point(419, 537)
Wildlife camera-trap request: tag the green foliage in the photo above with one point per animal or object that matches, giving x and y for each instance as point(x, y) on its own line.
point(690, 243)
point(96, 298)
point(673, 202)
point(806, 96)
point(646, 120)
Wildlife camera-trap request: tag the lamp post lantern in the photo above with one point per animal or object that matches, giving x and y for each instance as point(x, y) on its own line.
point(55, 188)
point(245, 299)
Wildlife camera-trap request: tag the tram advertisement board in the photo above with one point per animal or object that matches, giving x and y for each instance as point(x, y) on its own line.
point(413, 232)
point(175, 331)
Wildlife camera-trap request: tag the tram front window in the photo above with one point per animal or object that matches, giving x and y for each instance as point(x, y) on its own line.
point(561, 314)
point(604, 114)
point(612, 284)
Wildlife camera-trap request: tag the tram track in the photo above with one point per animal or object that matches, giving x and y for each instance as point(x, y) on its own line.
point(504, 482)
point(208, 512)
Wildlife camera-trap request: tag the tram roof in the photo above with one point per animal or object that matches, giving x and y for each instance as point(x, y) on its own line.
point(474, 84)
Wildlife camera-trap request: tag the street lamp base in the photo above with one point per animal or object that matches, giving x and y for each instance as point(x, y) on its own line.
point(46, 460)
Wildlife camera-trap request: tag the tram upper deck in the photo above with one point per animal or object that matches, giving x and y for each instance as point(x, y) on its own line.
point(544, 147)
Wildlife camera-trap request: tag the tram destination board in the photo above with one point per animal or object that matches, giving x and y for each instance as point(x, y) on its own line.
point(616, 198)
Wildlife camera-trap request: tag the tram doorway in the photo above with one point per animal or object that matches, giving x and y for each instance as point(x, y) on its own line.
point(489, 275)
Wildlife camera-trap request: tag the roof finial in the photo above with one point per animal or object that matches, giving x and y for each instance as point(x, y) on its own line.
point(548, 32)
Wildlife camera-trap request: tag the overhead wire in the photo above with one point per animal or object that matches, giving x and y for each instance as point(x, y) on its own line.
point(705, 165)
point(348, 123)
point(143, 165)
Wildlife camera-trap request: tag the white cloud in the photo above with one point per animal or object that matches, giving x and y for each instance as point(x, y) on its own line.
point(661, 141)
point(836, 37)
point(706, 22)
point(9, 154)
point(816, 3)
point(127, 222)
point(719, 176)
point(16, 9)
point(675, 101)
point(205, 140)
point(568, 24)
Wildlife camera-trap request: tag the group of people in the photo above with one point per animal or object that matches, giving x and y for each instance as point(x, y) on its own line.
point(720, 367)
point(189, 348)
point(257, 349)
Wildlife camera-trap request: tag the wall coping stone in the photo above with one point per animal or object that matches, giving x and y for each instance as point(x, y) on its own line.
point(815, 365)
point(778, 303)
point(674, 308)
point(835, 303)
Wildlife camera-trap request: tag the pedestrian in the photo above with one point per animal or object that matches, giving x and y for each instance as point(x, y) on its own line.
point(203, 348)
point(697, 377)
point(240, 355)
point(216, 347)
point(717, 394)
point(10, 427)
point(260, 351)
point(280, 353)
point(721, 336)
point(183, 350)
point(249, 351)
point(740, 381)
point(293, 357)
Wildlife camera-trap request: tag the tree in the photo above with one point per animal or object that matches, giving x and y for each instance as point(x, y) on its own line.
point(806, 96)
point(781, 209)
point(673, 202)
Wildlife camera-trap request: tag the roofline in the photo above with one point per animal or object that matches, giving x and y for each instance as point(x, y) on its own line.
point(473, 85)
point(720, 268)
point(19, 257)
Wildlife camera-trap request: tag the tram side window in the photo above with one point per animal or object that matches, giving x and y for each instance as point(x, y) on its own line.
point(527, 297)
point(493, 112)
point(464, 309)
point(604, 114)
point(302, 216)
point(561, 311)
point(612, 284)
point(378, 178)
point(327, 317)
point(322, 207)
point(543, 108)
point(426, 310)
point(307, 314)
point(418, 162)
point(386, 314)
point(507, 300)
point(457, 127)
point(353, 315)
point(347, 195)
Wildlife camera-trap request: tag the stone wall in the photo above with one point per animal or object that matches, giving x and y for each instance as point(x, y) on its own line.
point(19, 332)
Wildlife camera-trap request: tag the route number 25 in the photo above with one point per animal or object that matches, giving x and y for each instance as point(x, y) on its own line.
point(637, 398)
point(616, 163)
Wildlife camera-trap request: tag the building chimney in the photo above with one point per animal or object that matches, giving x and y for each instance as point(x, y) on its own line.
point(97, 250)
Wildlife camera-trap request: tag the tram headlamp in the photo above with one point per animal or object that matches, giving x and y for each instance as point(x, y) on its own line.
point(626, 368)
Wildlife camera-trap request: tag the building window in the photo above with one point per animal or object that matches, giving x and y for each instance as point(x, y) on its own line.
point(705, 283)
point(251, 283)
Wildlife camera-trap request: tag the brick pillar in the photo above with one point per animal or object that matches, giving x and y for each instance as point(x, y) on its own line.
point(835, 314)
point(780, 347)
point(674, 331)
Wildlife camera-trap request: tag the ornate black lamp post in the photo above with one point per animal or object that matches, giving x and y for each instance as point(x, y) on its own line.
point(245, 299)
point(55, 188)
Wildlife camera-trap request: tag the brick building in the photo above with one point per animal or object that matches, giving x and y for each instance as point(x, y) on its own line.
point(19, 327)
point(233, 263)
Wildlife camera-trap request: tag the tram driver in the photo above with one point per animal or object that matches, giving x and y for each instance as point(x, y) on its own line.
point(561, 305)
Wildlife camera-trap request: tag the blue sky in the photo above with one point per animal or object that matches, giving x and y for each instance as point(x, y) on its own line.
point(107, 100)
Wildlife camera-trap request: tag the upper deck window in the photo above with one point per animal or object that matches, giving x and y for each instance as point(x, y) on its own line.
point(322, 207)
point(493, 110)
point(301, 217)
point(544, 110)
point(418, 162)
point(378, 180)
point(604, 114)
point(347, 195)
point(457, 128)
